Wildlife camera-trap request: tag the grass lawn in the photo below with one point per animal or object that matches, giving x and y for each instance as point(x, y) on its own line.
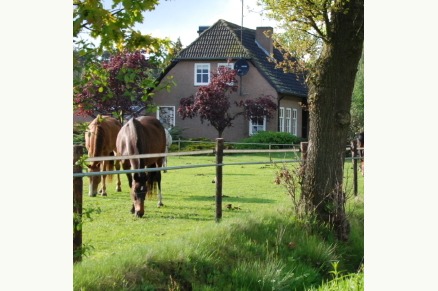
point(189, 206)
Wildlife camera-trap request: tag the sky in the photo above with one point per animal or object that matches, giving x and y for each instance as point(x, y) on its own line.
point(182, 18)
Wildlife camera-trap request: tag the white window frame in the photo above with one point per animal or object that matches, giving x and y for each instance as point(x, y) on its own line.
point(281, 119)
point(168, 122)
point(202, 66)
point(294, 126)
point(288, 120)
point(253, 129)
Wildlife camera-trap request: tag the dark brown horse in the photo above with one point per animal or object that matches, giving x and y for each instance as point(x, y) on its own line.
point(142, 135)
point(100, 140)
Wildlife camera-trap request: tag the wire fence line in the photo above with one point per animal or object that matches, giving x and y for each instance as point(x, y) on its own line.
point(219, 152)
point(200, 152)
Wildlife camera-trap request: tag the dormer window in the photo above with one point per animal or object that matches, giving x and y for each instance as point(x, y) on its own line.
point(202, 74)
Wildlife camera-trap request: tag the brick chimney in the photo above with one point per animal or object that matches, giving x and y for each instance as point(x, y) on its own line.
point(201, 29)
point(263, 41)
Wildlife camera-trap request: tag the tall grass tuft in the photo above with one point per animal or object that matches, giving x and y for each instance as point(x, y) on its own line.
point(266, 251)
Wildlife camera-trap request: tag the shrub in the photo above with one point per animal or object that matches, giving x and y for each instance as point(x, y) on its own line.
point(197, 144)
point(282, 139)
point(176, 132)
point(79, 132)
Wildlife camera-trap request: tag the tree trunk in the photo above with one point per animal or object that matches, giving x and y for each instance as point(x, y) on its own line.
point(330, 91)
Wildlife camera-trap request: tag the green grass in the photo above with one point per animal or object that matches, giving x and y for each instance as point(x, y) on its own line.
point(257, 245)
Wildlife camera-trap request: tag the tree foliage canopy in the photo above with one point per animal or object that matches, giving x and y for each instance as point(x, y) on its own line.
point(118, 86)
point(306, 25)
point(113, 25)
point(212, 102)
point(116, 74)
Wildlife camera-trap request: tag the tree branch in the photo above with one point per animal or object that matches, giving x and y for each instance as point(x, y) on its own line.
point(328, 24)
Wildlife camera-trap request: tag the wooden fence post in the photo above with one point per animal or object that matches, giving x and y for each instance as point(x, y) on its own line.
point(303, 150)
point(77, 205)
point(219, 159)
point(270, 158)
point(353, 156)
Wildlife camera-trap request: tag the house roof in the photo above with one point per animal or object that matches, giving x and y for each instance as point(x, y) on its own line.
point(223, 41)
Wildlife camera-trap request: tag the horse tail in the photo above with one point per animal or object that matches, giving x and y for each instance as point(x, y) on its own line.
point(152, 184)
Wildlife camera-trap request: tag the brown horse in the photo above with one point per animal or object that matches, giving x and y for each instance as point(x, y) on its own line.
point(100, 140)
point(142, 135)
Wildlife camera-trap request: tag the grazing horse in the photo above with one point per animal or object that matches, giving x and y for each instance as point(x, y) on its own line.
point(142, 135)
point(100, 140)
point(168, 144)
point(360, 144)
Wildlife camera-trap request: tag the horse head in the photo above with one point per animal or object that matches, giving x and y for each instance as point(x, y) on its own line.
point(94, 180)
point(138, 193)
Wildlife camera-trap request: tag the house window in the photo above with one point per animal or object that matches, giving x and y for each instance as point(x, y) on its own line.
point(202, 74)
point(281, 119)
point(256, 125)
point(166, 114)
point(288, 118)
point(294, 122)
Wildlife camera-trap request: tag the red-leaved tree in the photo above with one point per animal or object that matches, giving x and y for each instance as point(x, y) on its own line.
point(212, 103)
point(118, 86)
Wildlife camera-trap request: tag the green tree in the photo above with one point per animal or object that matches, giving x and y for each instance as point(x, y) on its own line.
point(110, 24)
point(325, 38)
point(121, 90)
point(357, 104)
point(113, 25)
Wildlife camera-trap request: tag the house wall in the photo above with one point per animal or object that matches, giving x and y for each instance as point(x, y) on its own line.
point(253, 86)
point(293, 103)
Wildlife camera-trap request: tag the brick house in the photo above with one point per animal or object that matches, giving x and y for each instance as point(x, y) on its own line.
point(217, 44)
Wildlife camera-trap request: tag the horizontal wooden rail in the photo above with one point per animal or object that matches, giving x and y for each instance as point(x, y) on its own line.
point(260, 151)
point(144, 156)
point(87, 174)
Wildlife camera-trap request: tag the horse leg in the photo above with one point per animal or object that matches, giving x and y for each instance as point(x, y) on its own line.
point(160, 197)
point(103, 190)
point(165, 161)
point(126, 165)
point(118, 187)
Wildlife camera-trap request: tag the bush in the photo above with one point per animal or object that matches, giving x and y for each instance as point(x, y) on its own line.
point(194, 144)
point(201, 144)
point(282, 139)
point(79, 132)
point(176, 133)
